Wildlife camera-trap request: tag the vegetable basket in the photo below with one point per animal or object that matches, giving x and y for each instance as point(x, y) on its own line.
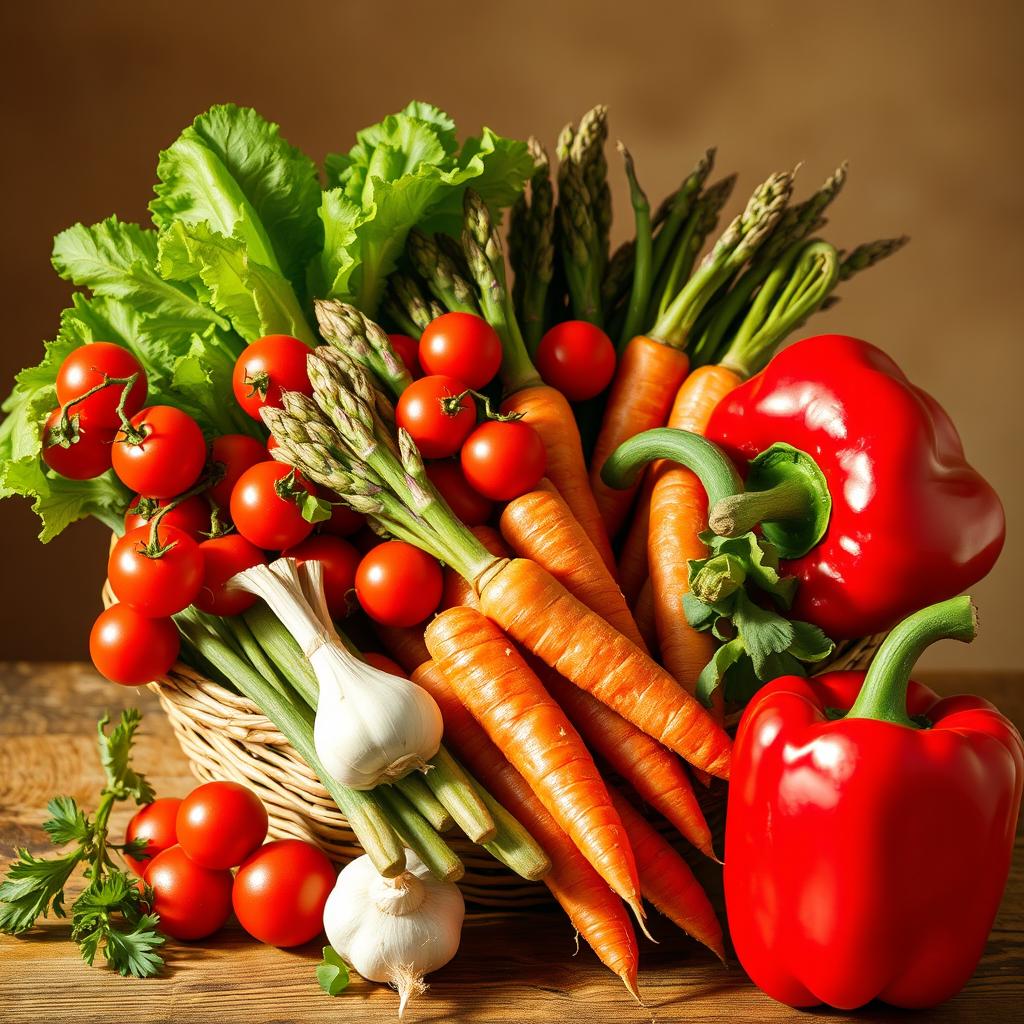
point(225, 736)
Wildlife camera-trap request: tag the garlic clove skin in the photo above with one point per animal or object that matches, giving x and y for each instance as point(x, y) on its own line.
point(371, 727)
point(394, 930)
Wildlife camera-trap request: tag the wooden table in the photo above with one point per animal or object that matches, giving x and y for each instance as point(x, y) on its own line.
point(521, 968)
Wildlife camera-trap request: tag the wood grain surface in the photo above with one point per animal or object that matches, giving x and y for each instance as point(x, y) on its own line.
point(522, 968)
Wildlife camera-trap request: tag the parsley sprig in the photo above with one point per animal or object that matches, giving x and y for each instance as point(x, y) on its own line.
point(112, 914)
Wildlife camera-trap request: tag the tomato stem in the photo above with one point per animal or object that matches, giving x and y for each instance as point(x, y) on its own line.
point(450, 406)
point(67, 430)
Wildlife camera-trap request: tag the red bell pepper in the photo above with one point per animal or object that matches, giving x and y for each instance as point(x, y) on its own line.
point(869, 829)
point(911, 522)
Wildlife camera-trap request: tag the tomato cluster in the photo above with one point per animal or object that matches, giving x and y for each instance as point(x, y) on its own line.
point(278, 892)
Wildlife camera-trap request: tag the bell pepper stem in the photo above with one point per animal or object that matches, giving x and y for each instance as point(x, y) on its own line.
point(740, 513)
point(883, 695)
point(716, 473)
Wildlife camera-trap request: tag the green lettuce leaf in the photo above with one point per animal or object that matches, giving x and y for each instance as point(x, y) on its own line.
point(403, 172)
point(231, 169)
point(254, 298)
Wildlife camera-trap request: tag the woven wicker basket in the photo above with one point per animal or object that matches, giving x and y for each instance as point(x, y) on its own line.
point(226, 736)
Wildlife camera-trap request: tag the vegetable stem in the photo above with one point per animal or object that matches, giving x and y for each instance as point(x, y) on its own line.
point(417, 834)
point(640, 292)
point(454, 789)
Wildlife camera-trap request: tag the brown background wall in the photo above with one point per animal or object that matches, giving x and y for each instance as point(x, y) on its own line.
point(921, 97)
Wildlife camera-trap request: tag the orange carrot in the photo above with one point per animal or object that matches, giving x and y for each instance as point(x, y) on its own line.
point(539, 525)
point(654, 773)
point(548, 412)
point(668, 882)
point(595, 911)
point(456, 590)
point(648, 375)
point(503, 694)
point(678, 515)
point(536, 610)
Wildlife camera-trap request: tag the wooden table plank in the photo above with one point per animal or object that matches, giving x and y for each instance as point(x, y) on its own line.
point(521, 968)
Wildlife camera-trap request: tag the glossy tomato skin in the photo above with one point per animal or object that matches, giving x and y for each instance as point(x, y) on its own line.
point(84, 369)
point(267, 367)
point(577, 358)
point(192, 516)
point(168, 459)
point(224, 557)
point(339, 561)
point(397, 584)
point(407, 349)
point(261, 515)
point(154, 823)
point(344, 522)
point(131, 649)
point(192, 901)
point(220, 823)
point(280, 892)
point(156, 586)
point(461, 345)
point(437, 433)
point(469, 505)
point(503, 460)
point(236, 453)
point(87, 457)
point(385, 664)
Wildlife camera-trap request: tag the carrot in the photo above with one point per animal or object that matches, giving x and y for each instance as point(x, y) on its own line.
point(595, 911)
point(540, 526)
point(648, 375)
point(668, 882)
point(548, 412)
point(653, 772)
point(678, 515)
point(503, 694)
point(536, 610)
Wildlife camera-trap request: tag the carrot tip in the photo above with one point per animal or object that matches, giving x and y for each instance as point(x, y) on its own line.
point(641, 918)
point(629, 980)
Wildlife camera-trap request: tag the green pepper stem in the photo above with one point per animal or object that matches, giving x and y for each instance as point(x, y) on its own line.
point(712, 466)
point(883, 695)
point(738, 514)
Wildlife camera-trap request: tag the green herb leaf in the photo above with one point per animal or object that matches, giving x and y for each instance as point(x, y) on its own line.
point(314, 509)
point(67, 822)
point(33, 887)
point(332, 973)
point(115, 756)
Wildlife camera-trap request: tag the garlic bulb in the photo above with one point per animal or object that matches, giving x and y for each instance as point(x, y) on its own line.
point(394, 930)
point(371, 727)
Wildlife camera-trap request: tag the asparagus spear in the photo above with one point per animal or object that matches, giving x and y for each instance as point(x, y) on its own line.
point(442, 274)
point(578, 234)
point(408, 307)
point(640, 291)
point(678, 207)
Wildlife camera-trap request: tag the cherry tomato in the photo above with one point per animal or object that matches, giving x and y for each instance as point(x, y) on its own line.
point(192, 516)
point(461, 345)
point(86, 367)
point(156, 585)
point(397, 584)
point(469, 505)
point(339, 560)
point(420, 410)
point(261, 514)
point(88, 456)
point(344, 522)
point(224, 557)
point(131, 649)
point(220, 823)
point(502, 460)
point(407, 349)
point(577, 358)
point(236, 453)
point(280, 892)
point(267, 367)
point(192, 901)
point(168, 459)
point(155, 824)
point(385, 664)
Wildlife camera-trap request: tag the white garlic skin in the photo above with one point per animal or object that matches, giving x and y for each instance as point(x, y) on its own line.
point(394, 930)
point(373, 727)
